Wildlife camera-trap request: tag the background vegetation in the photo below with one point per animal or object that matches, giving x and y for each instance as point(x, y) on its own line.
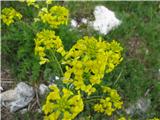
point(138, 76)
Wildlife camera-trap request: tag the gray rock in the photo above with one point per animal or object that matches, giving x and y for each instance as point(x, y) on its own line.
point(1, 88)
point(142, 105)
point(43, 89)
point(18, 98)
point(39, 110)
point(9, 95)
point(23, 111)
point(25, 90)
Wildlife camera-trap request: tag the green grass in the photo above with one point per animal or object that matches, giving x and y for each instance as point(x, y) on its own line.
point(140, 38)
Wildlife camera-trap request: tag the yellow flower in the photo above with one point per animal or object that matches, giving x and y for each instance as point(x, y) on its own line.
point(67, 116)
point(105, 106)
point(56, 16)
point(32, 3)
point(79, 84)
point(63, 103)
point(93, 58)
point(48, 108)
point(53, 96)
point(53, 116)
point(89, 89)
point(40, 51)
point(118, 104)
point(48, 1)
point(47, 40)
point(98, 108)
point(66, 93)
point(54, 88)
point(106, 89)
point(8, 15)
point(95, 79)
point(109, 104)
point(43, 60)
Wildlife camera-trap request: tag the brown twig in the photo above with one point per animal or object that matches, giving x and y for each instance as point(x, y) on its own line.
point(35, 102)
point(148, 90)
point(37, 97)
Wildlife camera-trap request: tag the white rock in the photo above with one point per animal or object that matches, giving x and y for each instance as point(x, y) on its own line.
point(1, 88)
point(84, 20)
point(43, 89)
point(18, 98)
point(56, 78)
point(74, 23)
point(105, 20)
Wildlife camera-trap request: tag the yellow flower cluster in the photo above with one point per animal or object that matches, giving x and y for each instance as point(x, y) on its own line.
point(55, 16)
point(46, 40)
point(109, 104)
point(88, 60)
point(30, 3)
point(9, 14)
point(114, 55)
point(62, 104)
point(49, 1)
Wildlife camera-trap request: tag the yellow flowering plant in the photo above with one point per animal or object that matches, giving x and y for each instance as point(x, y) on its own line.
point(85, 65)
point(8, 15)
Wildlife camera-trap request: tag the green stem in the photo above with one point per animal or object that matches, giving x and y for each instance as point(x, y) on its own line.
point(93, 98)
point(118, 78)
point(90, 100)
point(54, 58)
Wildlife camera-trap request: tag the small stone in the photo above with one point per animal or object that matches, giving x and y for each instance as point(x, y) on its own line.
point(74, 23)
point(43, 89)
point(1, 88)
point(131, 110)
point(18, 98)
point(142, 105)
point(23, 111)
point(39, 110)
point(24, 90)
point(56, 78)
point(84, 20)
